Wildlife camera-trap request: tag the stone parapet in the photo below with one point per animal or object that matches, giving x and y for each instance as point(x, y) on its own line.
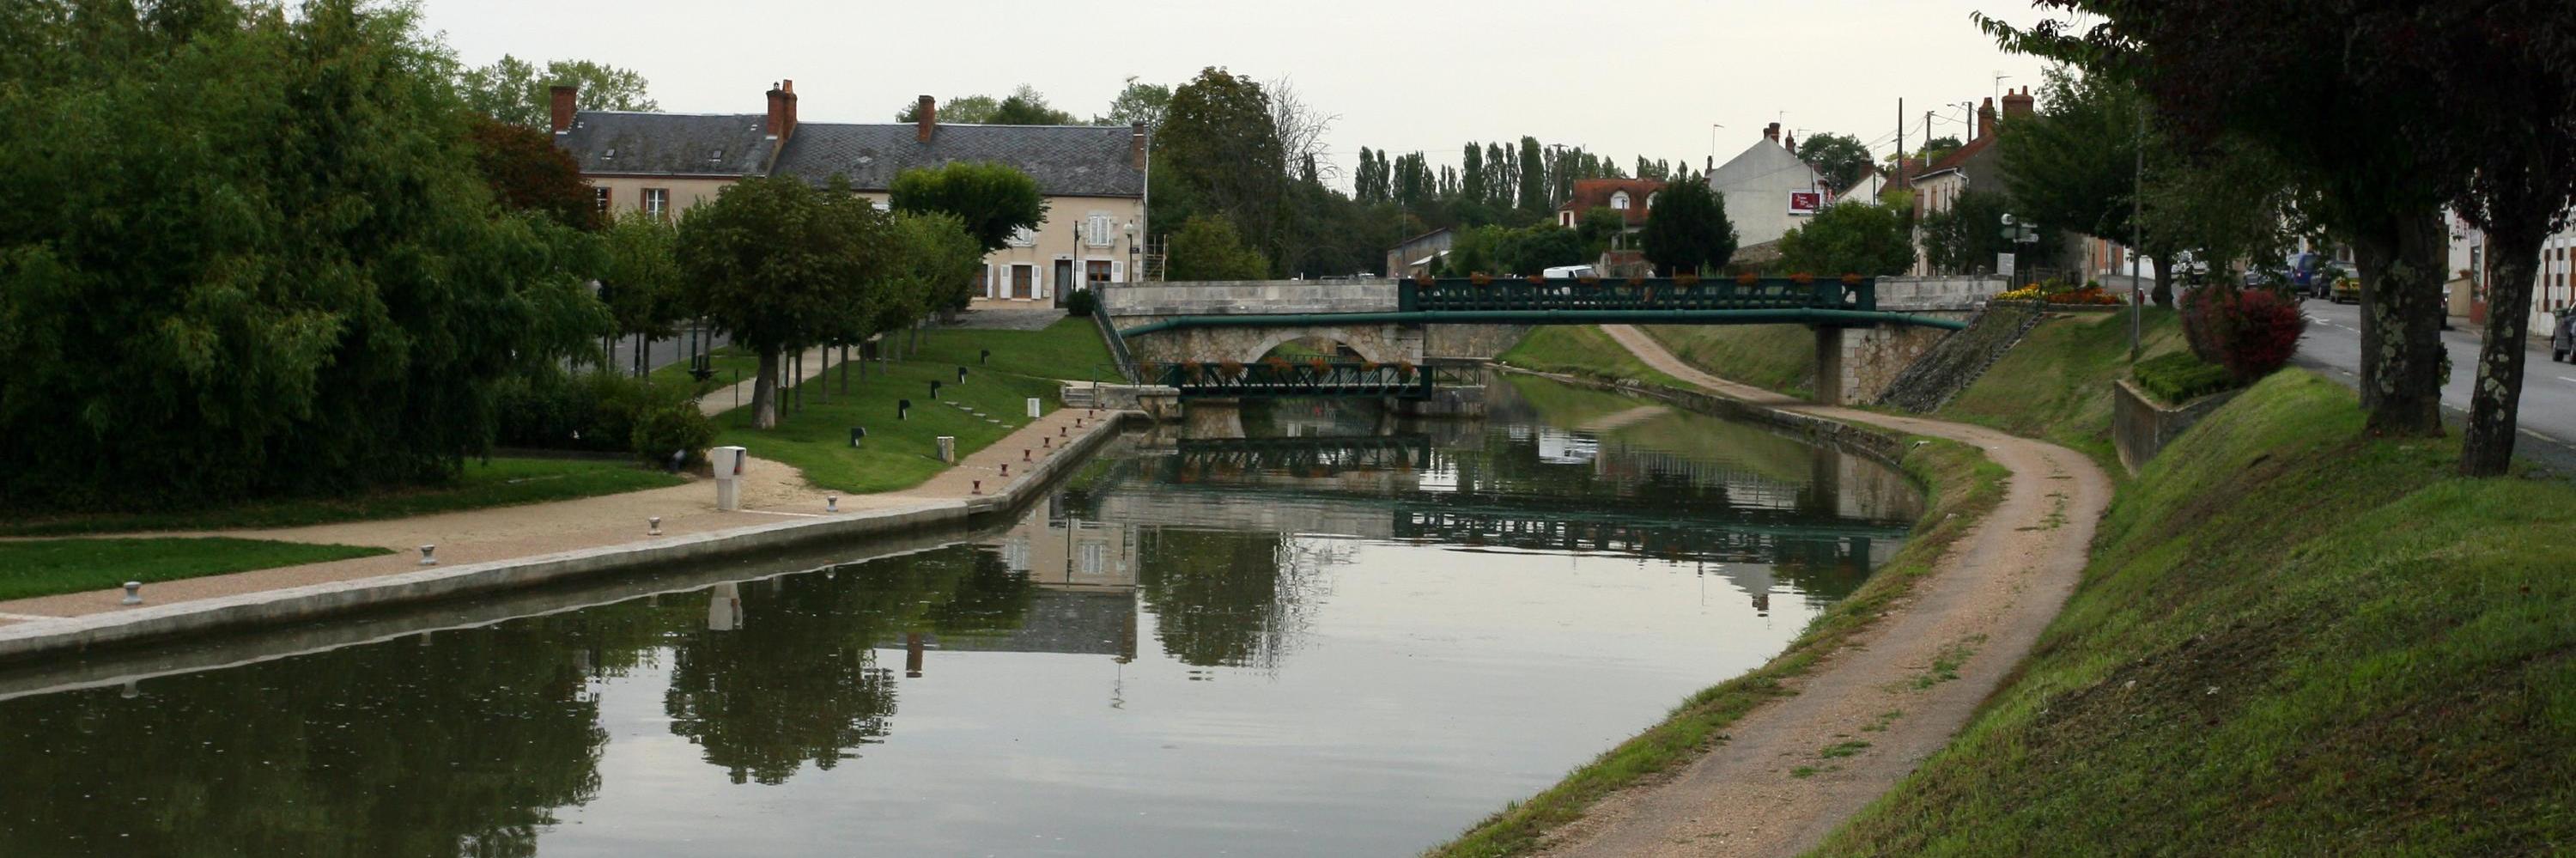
point(1269, 297)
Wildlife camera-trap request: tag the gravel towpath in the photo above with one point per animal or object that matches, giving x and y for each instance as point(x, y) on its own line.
point(1792, 770)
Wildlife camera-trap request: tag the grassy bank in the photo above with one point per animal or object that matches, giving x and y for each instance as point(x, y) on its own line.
point(45, 567)
point(1961, 482)
point(897, 454)
point(499, 482)
point(1581, 350)
point(2056, 385)
point(1069, 349)
point(1773, 357)
point(2292, 639)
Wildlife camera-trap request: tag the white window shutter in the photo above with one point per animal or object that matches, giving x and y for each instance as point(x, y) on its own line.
point(1117, 272)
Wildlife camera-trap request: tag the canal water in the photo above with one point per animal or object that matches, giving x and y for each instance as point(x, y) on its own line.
point(1312, 629)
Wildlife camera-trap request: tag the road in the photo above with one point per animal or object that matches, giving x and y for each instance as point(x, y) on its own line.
point(2333, 346)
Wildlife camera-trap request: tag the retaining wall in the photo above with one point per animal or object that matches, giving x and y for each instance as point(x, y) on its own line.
point(2141, 426)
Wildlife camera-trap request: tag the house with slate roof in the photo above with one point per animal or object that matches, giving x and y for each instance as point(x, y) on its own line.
point(1093, 176)
point(1769, 190)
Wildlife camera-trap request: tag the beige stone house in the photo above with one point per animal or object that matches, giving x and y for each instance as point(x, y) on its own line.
point(1093, 176)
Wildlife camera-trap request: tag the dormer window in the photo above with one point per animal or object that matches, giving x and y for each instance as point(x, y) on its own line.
point(609, 155)
point(1650, 199)
point(1619, 200)
point(715, 157)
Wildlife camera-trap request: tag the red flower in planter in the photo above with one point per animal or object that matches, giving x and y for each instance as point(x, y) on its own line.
point(1802, 278)
point(1538, 278)
point(1747, 279)
point(1850, 279)
point(1480, 278)
point(1686, 279)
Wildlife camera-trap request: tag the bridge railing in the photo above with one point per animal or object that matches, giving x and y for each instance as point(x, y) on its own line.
point(1286, 379)
point(1659, 293)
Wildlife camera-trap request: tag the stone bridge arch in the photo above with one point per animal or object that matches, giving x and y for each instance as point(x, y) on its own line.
point(1382, 343)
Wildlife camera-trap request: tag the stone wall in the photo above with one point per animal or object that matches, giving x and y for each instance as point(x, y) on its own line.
point(1229, 297)
point(1874, 358)
point(1481, 342)
point(1930, 380)
point(2141, 426)
point(1924, 294)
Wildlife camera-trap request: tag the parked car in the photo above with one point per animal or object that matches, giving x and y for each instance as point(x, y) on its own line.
point(1569, 272)
point(2346, 290)
point(2562, 338)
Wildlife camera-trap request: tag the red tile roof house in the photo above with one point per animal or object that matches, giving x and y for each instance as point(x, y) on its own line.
point(1631, 198)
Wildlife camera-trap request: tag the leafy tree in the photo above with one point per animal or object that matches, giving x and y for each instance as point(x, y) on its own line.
point(2520, 192)
point(1219, 139)
point(933, 268)
point(1137, 102)
point(255, 242)
point(1936, 149)
point(513, 91)
point(641, 284)
point(1026, 106)
point(1534, 249)
point(994, 201)
point(1209, 248)
point(1688, 231)
point(779, 265)
point(1533, 172)
point(1850, 238)
point(2372, 133)
point(2075, 164)
point(1471, 184)
point(1840, 157)
point(528, 172)
point(1966, 238)
point(1600, 227)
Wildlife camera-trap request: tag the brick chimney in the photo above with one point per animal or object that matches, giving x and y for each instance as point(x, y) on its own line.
point(1772, 132)
point(1136, 144)
point(1789, 141)
point(562, 106)
point(2019, 104)
point(1986, 119)
point(782, 110)
point(925, 119)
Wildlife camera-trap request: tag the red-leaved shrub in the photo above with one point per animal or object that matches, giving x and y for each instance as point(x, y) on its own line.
point(2251, 332)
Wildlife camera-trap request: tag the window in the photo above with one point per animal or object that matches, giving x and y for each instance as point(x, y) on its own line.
point(1650, 199)
point(1619, 200)
point(984, 280)
point(1024, 237)
point(1095, 272)
point(599, 197)
point(1024, 281)
point(1098, 230)
point(657, 202)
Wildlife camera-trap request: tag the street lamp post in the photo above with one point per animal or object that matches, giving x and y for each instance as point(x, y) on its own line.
point(1134, 273)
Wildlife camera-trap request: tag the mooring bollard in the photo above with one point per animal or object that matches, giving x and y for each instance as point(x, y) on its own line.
point(831, 503)
point(979, 487)
point(653, 526)
point(425, 555)
point(1006, 469)
point(1024, 455)
point(134, 592)
point(1046, 442)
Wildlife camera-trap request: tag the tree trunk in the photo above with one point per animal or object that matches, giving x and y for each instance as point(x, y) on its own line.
point(2163, 293)
point(2402, 361)
point(845, 369)
point(764, 391)
point(796, 380)
point(2495, 403)
point(641, 343)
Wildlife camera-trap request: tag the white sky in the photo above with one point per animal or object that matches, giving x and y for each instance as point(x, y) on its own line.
point(1618, 77)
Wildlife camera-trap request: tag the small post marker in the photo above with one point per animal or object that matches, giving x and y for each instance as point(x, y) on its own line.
point(903, 407)
point(831, 503)
point(1024, 454)
point(979, 487)
point(961, 375)
point(1046, 442)
point(1006, 469)
point(133, 592)
point(426, 555)
point(653, 526)
point(1061, 432)
point(986, 357)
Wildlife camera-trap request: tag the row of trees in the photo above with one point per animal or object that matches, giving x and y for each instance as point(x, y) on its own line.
point(2379, 117)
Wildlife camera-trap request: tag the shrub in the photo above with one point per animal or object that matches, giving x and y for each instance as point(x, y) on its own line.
point(666, 427)
point(596, 411)
point(2251, 332)
point(2180, 377)
point(1081, 303)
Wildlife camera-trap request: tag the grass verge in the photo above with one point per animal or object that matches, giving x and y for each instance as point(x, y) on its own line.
point(1068, 349)
point(1780, 358)
point(1582, 350)
point(2056, 384)
point(499, 482)
point(1961, 482)
point(2291, 639)
point(45, 567)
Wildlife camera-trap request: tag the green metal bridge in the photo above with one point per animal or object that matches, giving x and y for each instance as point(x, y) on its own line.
point(1663, 301)
point(1286, 380)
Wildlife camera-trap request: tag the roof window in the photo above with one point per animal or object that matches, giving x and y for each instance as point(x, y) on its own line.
point(609, 155)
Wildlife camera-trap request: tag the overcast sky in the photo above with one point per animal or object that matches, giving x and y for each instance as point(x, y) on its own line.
point(1618, 77)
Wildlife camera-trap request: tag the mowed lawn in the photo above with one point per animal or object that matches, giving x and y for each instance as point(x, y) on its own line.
point(898, 454)
point(44, 567)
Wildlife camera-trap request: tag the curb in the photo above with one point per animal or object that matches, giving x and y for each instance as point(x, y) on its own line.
point(26, 641)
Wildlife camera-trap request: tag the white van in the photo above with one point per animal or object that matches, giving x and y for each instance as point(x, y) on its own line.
point(1570, 272)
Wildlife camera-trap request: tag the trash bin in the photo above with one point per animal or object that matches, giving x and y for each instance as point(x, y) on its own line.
point(948, 449)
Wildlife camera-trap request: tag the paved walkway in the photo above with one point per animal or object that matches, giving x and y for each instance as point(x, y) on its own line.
point(1982, 607)
point(723, 399)
point(772, 492)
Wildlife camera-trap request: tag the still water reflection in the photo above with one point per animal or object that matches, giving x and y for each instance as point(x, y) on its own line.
point(1341, 635)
